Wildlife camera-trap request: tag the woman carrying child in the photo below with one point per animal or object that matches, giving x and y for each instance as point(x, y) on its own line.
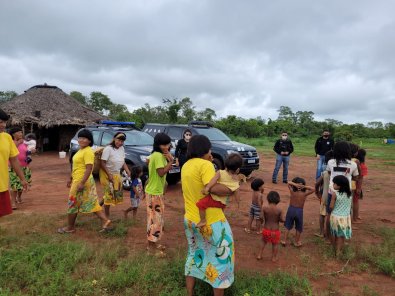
point(136, 191)
point(210, 248)
point(83, 195)
point(111, 163)
point(160, 163)
point(340, 220)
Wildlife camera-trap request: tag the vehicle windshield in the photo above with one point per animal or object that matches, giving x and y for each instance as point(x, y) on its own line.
point(137, 138)
point(213, 134)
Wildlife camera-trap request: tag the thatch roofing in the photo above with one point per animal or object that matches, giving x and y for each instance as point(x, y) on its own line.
point(48, 106)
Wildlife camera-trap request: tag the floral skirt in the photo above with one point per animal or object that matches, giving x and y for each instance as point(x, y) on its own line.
point(155, 217)
point(84, 201)
point(113, 193)
point(210, 253)
point(15, 182)
point(341, 226)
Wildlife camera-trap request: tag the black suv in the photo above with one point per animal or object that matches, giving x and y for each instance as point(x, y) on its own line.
point(222, 145)
point(138, 145)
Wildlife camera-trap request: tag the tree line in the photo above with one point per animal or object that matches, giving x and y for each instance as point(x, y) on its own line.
point(299, 123)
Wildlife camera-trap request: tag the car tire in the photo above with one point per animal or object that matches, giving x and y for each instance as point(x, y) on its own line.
point(173, 179)
point(247, 173)
point(218, 164)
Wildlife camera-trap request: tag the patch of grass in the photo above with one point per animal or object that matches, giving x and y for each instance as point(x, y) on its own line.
point(41, 262)
point(367, 291)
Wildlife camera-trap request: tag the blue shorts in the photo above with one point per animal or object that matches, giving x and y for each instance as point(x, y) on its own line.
point(294, 216)
point(328, 203)
point(255, 211)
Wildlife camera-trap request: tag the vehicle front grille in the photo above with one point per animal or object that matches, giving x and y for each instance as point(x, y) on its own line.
point(248, 154)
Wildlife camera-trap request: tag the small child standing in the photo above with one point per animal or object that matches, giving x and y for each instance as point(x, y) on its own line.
point(136, 191)
point(298, 194)
point(340, 220)
point(271, 232)
point(256, 205)
point(228, 178)
point(361, 155)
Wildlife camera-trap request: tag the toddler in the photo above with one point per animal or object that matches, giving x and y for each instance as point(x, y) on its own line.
point(256, 205)
point(136, 191)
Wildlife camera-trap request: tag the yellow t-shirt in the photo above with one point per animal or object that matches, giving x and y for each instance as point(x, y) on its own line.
point(226, 179)
point(80, 160)
point(7, 150)
point(195, 174)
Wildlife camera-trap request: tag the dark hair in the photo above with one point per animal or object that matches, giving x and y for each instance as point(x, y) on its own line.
point(361, 155)
point(187, 130)
point(233, 162)
point(354, 149)
point(198, 146)
point(273, 197)
point(343, 183)
point(160, 139)
point(85, 133)
point(341, 152)
point(135, 172)
point(4, 116)
point(14, 130)
point(123, 138)
point(328, 156)
point(298, 180)
point(284, 132)
point(256, 183)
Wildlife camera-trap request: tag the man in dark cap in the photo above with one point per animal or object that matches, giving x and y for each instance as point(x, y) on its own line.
point(8, 153)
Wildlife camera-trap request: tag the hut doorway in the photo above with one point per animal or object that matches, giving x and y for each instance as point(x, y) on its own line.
point(50, 139)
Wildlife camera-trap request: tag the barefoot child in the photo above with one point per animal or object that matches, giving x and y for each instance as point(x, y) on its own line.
point(272, 216)
point(256, 205)
point(227, 177)
point(136, 191)
point(340, 220)
point(298, 195)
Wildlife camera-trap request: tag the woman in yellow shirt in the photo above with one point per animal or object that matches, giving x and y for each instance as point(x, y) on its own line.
point(83, 195)
point(210, 248)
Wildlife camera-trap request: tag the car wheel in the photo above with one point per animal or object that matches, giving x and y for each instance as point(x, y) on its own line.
point(247, 173)
point(218, 164)
point(173, 179)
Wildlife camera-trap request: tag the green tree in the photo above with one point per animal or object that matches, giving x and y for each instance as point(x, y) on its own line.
point(207, 114)
point(100, 102)
point(187, 109)
point(79, 97)
point(6, 96)
point(285, 113)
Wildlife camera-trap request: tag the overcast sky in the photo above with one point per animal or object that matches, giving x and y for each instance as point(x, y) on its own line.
point(248, 58)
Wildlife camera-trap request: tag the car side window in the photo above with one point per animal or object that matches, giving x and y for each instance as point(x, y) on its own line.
point(106, 139)
point(96, 137)
point(175, 133)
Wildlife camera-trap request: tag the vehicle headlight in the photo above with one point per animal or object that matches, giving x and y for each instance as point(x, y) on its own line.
point(231, 151)
point(143, 158)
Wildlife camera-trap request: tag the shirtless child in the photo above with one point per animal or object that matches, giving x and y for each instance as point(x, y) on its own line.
point(256, 205)
point(271, 232)
point(298, 194)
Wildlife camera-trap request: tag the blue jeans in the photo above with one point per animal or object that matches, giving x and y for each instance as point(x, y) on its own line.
point(320, 166)
point(281, 159)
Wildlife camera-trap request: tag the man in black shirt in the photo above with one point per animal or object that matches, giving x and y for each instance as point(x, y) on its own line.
point(283, 147)
point(322, 146)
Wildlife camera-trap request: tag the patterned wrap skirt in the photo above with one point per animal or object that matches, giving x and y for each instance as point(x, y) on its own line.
point(113, 193)
point(84, 201)
point(341, 226)
point(211, 255)
point(155, 217)
point(15, 182)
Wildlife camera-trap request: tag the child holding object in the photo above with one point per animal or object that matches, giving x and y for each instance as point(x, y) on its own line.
point(136, 191)
point(227, 177)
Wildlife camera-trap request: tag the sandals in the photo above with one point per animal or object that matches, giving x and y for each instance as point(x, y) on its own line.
point(105, 226)
point(64, 230)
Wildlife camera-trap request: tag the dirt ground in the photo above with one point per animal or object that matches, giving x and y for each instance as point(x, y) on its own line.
point(49, 195)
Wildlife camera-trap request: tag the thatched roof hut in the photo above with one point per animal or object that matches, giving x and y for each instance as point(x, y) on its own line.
point(51, 114)
point(48, 106)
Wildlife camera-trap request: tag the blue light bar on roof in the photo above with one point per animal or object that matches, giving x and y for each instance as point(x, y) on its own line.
point(109, 122)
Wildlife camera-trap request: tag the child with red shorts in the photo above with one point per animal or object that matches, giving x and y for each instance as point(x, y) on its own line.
point(271, 232)
point(228, 178)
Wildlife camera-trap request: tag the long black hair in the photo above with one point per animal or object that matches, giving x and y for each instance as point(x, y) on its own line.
point(343, 183)
point(361, 155)
point(85, 133)
point(160, 139)
point(342, 152)
point(198, 146)
point(14, 130)
point(4, 116)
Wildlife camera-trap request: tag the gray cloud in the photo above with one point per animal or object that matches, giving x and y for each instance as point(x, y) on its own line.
point(242, 58)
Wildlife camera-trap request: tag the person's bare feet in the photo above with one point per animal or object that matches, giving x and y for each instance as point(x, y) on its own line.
point(202, 223)
point(284, 243)
point(274, 259)
point(259, 257)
